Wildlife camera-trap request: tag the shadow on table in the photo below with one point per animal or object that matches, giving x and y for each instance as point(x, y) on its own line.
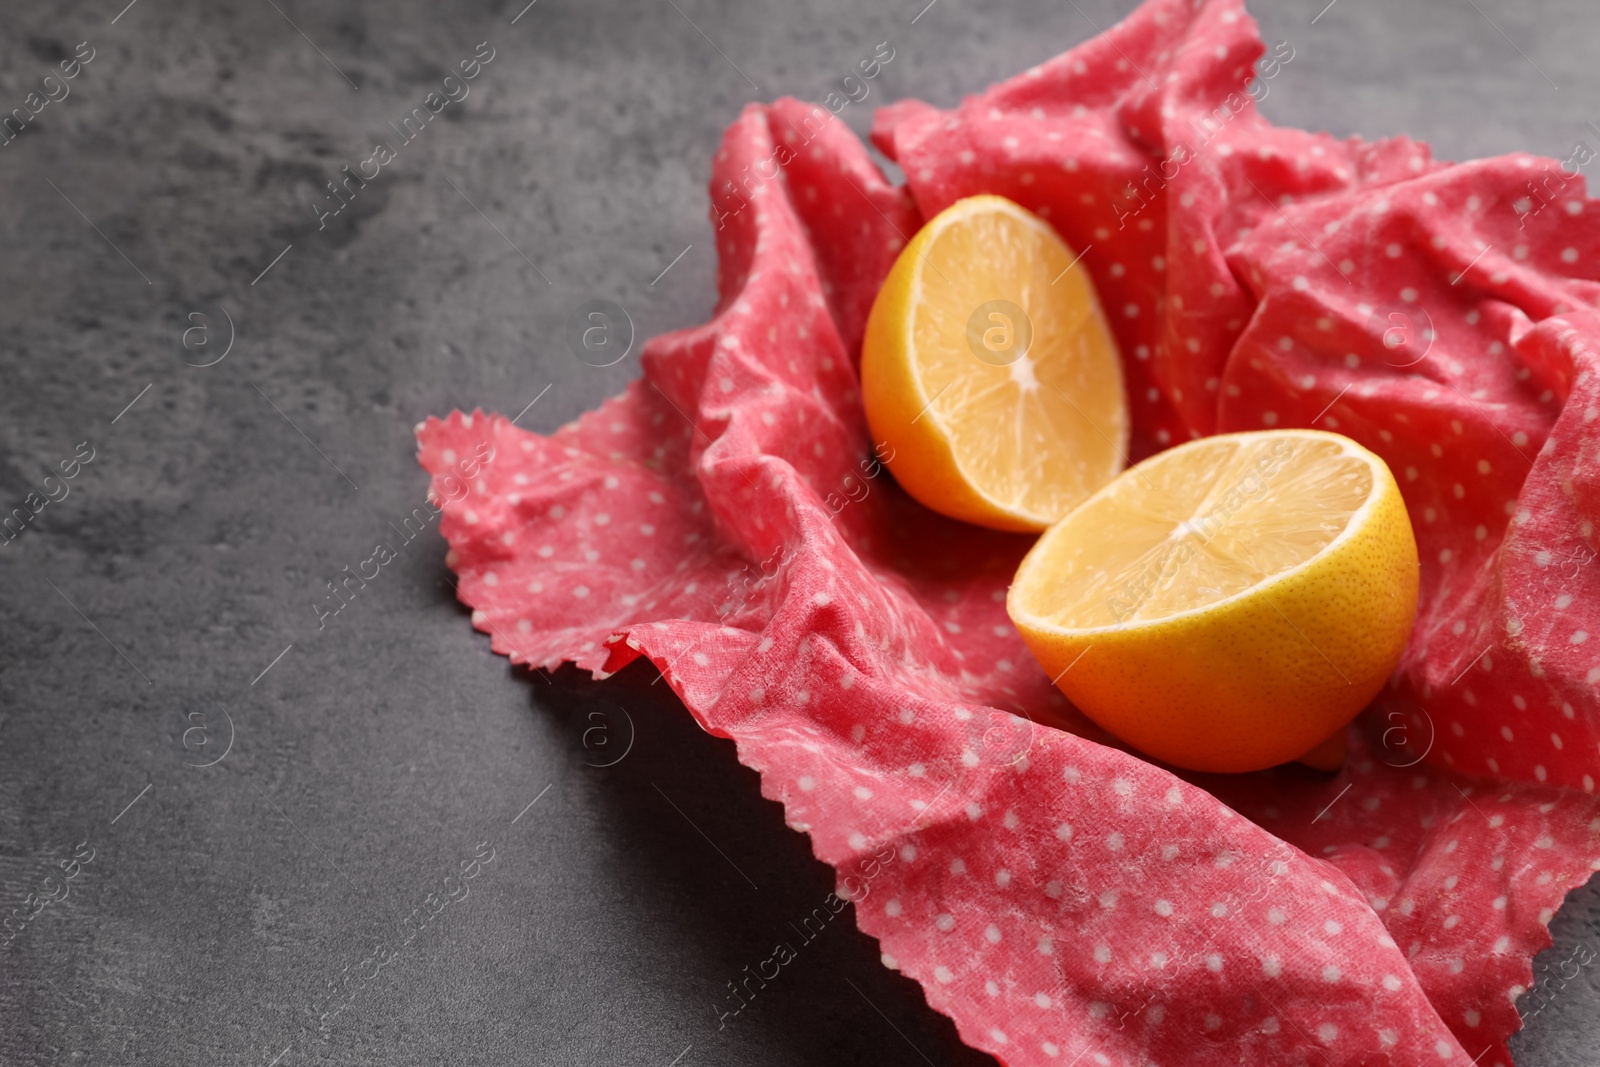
point(731, 880)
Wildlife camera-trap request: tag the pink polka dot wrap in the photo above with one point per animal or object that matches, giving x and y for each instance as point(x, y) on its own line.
point(1062, 899)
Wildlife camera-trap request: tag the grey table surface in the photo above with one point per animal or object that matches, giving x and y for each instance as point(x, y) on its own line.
point(162, 613)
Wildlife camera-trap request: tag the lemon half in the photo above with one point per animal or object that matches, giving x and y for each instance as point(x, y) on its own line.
point(1229, 604)
point(988, 369)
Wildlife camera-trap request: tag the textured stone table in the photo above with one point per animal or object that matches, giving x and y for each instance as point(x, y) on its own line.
point(164, 612)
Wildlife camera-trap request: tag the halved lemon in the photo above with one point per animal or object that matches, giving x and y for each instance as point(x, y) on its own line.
point(1229, 604)
point(988, 370)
